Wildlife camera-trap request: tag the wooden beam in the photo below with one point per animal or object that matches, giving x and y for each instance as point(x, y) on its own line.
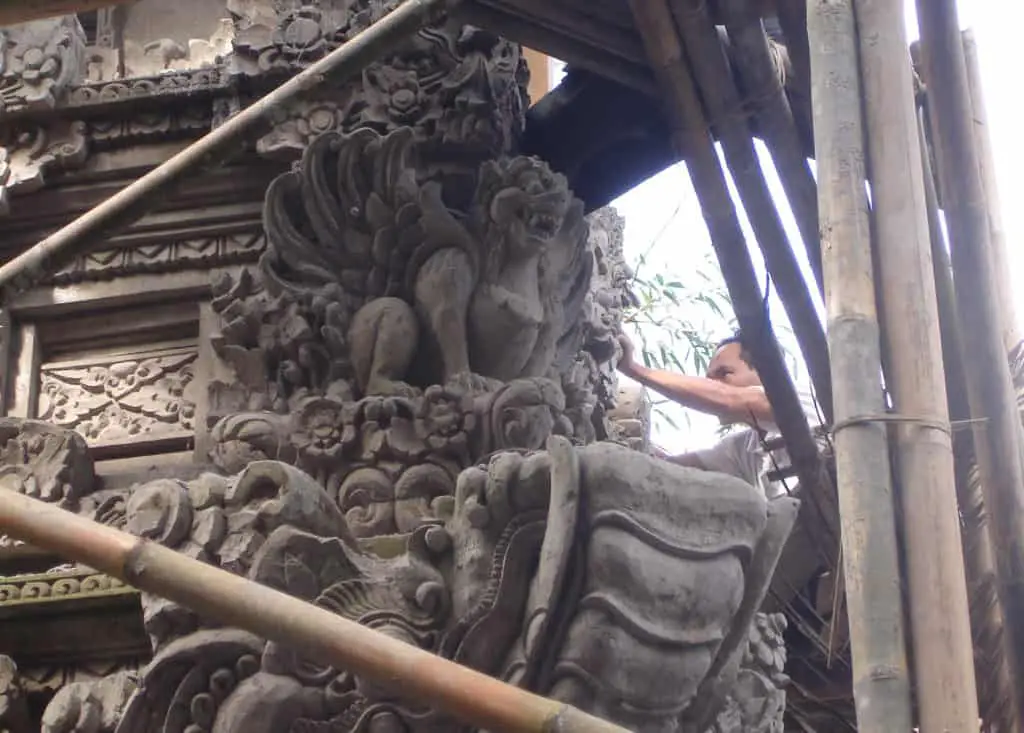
point(13, 12)
point(874, 602)
point(728, 117)
point(937, 590)
point(997, 435)
point(133, 201)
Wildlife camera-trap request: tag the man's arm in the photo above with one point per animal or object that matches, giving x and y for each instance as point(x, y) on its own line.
point(732, 404)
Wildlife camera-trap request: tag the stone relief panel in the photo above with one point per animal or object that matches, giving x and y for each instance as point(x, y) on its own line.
point(121, 399)
point(215, 251)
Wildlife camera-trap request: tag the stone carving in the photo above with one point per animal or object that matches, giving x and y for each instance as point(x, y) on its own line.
point(34, 149)
point(534, 555)
point(89, 706)
point(386, 267)
point(144, 396)
point(44, 462)
point(80, 583)
point(460, 90)
point(192, 84)
point(429, 330)
point(14, 716)
point(166, 54)
point(208, 252)
point(39, 61)
point(757, 701)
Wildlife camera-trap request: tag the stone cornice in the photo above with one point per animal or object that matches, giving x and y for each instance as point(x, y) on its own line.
point(26, 594)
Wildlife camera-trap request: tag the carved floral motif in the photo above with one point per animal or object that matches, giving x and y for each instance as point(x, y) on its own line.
point(143, 397)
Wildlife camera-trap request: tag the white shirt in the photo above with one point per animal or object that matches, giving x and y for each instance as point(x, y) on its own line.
point(741, 453)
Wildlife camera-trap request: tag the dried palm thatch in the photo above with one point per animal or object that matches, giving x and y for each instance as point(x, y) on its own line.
point(988, 624)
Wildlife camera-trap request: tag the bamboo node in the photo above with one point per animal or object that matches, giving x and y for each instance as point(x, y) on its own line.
point(891, 417)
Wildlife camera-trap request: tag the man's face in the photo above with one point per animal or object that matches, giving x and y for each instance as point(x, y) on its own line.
point(727, 366)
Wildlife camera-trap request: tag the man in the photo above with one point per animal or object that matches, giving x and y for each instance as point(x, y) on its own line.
point(731, 391)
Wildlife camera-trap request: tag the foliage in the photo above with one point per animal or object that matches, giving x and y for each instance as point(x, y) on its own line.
point(677, 318)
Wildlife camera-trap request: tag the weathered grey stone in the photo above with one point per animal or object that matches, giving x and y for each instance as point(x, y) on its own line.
point(402, 403)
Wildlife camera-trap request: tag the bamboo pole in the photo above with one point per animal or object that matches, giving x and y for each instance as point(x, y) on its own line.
point(867, 510)
point(996, 691)
point(23, 11)
point(725, 108)
point(753, 58)
point(131, 202)
point(471, 696)
point(940, 623)
point(997, 438)
point(986, 159)
point(692, 140)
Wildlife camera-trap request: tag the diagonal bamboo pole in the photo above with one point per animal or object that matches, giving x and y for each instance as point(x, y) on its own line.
point(692, 140)
point(131, 202)
point(997, 436)
point(725, 109)
point(871, 561)
point(937, 599)
point(464, 693)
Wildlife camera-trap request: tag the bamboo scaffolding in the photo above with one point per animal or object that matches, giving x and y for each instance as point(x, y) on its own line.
point(23, 11)
point(940, 623)
point(315, 632)
point(753, 58)
point(725, 108)
point(996, 691)
point(997, 437)
point(132, 202)
point(986, 160)
point(871, 560)
point(692, 140)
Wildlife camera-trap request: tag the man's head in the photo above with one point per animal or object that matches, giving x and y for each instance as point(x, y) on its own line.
point(731, 363)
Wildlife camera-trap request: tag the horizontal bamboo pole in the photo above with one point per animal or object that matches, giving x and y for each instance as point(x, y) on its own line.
point(22, 11)
point(471, 696)
point(133, 201)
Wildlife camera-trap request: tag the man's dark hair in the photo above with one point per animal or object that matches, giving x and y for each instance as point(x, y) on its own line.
point(736, 338)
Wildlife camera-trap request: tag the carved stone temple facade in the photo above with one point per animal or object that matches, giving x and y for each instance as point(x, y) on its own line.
point(368, 360)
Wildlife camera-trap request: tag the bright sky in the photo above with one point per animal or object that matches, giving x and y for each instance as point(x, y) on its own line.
point(664, 210)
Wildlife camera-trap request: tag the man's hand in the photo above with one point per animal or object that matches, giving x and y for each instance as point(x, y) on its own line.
point(626, 364)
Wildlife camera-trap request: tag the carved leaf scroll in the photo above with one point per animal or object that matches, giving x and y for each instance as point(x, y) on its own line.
point(114, 401)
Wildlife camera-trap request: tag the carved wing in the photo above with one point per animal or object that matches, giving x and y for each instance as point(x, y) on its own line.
point(570, 264)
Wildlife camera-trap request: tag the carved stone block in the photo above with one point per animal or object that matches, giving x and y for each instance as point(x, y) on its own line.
point(114, 400)
point(39, 61)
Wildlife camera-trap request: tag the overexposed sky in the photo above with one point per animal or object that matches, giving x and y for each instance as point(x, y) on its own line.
point(663, 219)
